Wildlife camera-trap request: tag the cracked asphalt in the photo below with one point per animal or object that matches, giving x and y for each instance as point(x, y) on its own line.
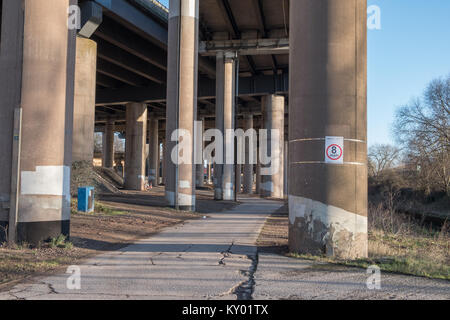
point(212, 258)
point(216, 258)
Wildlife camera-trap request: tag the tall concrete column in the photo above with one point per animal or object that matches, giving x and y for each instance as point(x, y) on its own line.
point(248, 167)
point(37, 74)
point(153, 156)
point(200, 168)
point(108, 144)
point(84, 101)
point(328, 201)
point(209, 173)
point(286, 168)
point(225, 110)
point(135, 143)
point(181, 103)
point(258, 178)
point(273, 121)
point(163, 162)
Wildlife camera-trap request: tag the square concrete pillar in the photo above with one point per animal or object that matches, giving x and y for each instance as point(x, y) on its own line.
point(84, 103)
point(108, 144)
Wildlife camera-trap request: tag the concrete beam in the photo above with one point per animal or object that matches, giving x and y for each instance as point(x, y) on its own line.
point(248, 86)
point(247, 47)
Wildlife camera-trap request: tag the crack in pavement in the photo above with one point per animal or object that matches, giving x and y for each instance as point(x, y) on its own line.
point(245, 289)
point(225, 254)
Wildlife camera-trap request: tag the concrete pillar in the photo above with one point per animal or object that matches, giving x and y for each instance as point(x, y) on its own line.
point(84, 101)
point(328, 201)
point(153, 156)
point(225, 110)
point(286, 168)
point(248, 167)
point(273, 119)
point(136, 131)
point(258, 178)
point(108, 145)
point(181, 102)
point(200, 168)
point(37, 74)
point(209, 173)
point(163, 162)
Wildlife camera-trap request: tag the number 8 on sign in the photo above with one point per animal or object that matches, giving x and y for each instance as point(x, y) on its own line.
point(334, 150)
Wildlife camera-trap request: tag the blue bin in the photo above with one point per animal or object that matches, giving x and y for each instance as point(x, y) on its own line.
point(86, 199)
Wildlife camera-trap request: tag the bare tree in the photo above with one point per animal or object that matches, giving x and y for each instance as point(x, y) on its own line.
point(381, 158)
point(423, 128)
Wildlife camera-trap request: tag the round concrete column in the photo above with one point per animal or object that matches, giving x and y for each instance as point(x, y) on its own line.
point(248, 166)
point(328, 201)
point(181, 103)
point(273, 121)
point(135, 143)
point(108, 144)
point(225, 109)
point(200, 168)
point(47, 96)
point(84, 101)
point(153, 157)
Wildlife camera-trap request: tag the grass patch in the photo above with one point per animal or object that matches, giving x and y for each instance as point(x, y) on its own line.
point(99, 208)
point(401, 245)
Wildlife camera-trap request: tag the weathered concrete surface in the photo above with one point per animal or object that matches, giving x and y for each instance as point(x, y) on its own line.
point(208, 258)
point(280, 277)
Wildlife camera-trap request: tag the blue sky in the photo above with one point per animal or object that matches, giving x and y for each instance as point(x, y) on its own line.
point(411, 49)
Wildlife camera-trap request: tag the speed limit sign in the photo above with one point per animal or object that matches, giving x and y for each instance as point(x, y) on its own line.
point(334, 150)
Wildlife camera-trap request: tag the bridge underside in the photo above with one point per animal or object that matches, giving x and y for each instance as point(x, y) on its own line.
point(295, 67)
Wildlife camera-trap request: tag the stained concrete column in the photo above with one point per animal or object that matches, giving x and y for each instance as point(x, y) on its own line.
point(200, 168)
point(273, 121)
point(209, 173)
point(225, 110)
point(163, 162)
point(286, 168)
point(258, 178)
point(153, 156)
point(328, 201)
point(37, 73)
point(181, 103)
point(248, 166)
point(136, 131)
point(84, 101)
point(108, 144)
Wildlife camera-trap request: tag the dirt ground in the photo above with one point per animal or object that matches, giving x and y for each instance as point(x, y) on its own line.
point(274, 234)
point(120, 219)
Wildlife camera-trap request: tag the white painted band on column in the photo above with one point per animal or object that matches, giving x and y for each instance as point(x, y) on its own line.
point(185, 8)
point(186, 200)
point(330, 216)
point(184, 184)
point(46, 180)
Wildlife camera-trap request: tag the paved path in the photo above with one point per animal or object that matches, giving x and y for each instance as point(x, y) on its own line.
point(216, 258)
point(209, 258)
point(280, 277)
